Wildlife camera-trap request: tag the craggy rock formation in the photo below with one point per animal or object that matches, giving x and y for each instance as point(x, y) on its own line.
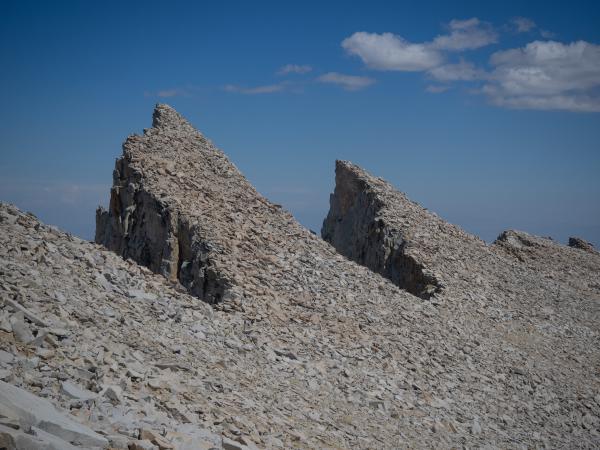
point(142, 223)
point(302, 347)
point(579, 243)
point(374, 224)
point(358, 227)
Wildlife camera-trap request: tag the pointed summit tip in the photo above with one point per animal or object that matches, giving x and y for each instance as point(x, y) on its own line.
point(340, 164)
point(164, 116)
point(348, 167)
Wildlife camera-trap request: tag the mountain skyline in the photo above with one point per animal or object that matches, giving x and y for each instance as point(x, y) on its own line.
point(485, 114)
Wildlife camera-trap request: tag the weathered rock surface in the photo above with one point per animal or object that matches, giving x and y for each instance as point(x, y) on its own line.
point(378, 227)
point(581, 244)
point(303, 347)
point(31, 411)
point(573, 275)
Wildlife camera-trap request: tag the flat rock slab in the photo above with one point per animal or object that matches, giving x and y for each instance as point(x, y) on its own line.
point(34, 411)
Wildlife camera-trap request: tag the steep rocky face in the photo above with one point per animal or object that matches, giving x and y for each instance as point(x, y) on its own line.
point(357, 228)
point(143, 225)
point(374, 224)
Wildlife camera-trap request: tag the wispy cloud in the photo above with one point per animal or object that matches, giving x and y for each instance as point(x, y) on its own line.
point(388, 51)
point(294, 68)
point(347, 82)
point(467, 34)
point(256, 90)
point(171, 92)
point(461, 71)
point(436, 89)
point(547, 34)
point(522, 24)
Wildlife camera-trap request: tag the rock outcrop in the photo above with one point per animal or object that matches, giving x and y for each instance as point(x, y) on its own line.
point(144, 225)
point(359, 227)
point(301, 348)
point(574, 274)
point(581, 244)
point(181, 208)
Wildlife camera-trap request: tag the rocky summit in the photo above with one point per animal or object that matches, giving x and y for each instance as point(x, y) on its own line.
point(205, 317)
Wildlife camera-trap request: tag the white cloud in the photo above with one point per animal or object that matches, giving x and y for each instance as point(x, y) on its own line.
point(522, 24)
point(266, 89)
point(546, 75)
point(294, 68)
point(466, 35)
point(436, 89)
point(462, 71)
point(390, 52)
point(348, 82)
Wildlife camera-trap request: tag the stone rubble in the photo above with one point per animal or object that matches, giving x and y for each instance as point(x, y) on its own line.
point(301, 348)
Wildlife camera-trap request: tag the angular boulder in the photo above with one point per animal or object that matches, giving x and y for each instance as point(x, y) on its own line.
point(33, 411)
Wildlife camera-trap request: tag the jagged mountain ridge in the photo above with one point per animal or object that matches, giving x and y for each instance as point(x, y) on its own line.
point(304, 348)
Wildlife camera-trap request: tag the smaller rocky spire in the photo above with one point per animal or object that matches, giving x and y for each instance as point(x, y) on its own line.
point(579, 243)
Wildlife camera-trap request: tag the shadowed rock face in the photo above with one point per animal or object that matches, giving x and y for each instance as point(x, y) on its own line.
point(356, 228)
point(140, 224)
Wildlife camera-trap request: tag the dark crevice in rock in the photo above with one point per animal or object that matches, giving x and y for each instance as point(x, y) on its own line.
point(354, 227)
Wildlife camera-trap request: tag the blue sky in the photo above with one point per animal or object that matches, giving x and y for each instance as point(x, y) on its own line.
point(484, 112)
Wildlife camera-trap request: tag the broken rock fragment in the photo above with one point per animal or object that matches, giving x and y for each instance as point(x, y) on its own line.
point(33, 411)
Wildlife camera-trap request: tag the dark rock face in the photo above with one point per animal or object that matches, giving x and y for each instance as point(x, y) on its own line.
point(579, 243)
point(356, 229)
